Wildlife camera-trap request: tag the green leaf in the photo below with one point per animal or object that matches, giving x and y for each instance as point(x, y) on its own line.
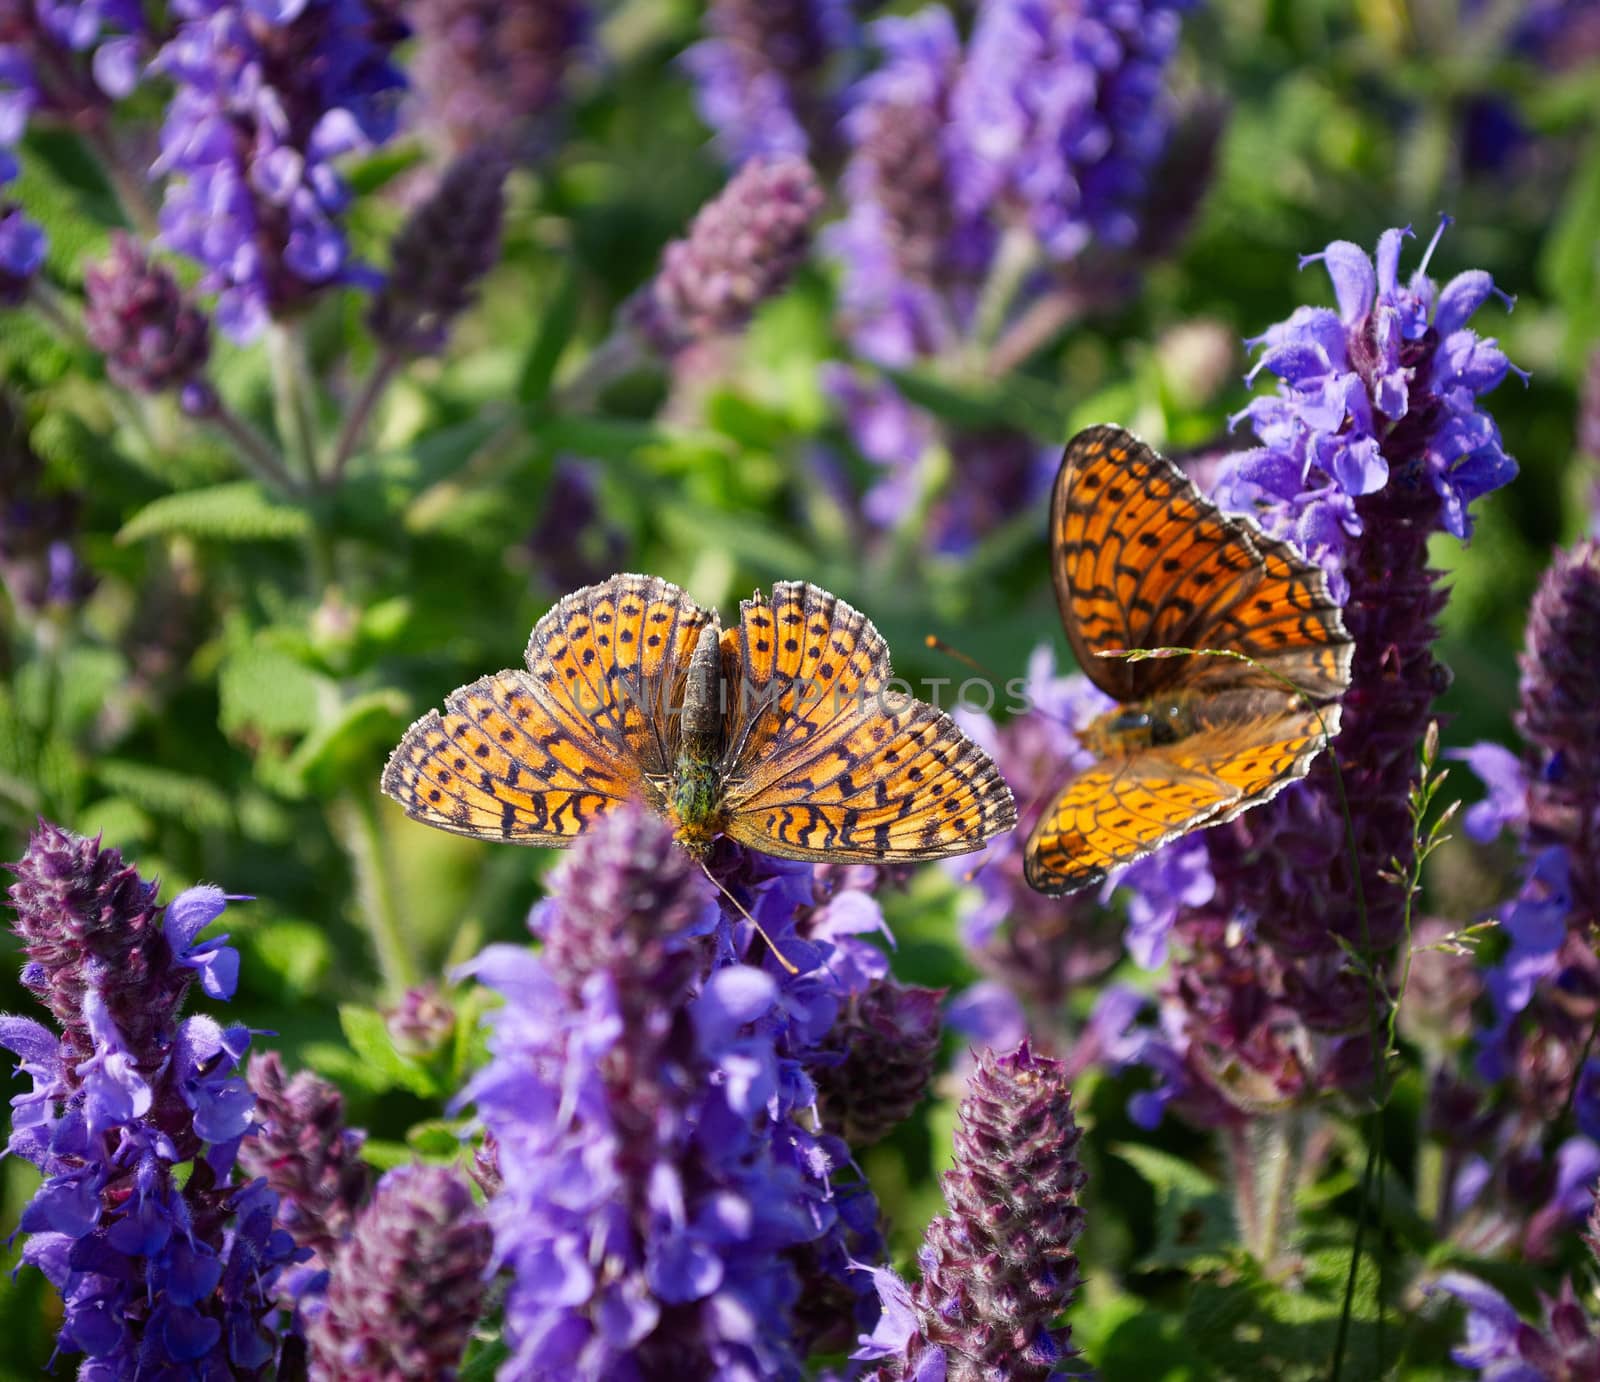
point(296, 953)
point(559, 320)
point(483, 1360)
point(352, 742)
point(263, 691)
point(386, 1155)
point(972, 405)
point(1569, 269)
point(178, 796)
point(1248, 1326)
point(1194, 1218)
point(235, 512)
point(368, 1035)
point(437, 1139)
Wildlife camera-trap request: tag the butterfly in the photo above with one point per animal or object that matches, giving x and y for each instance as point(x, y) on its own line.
point(782, 733)
point(1142, 560)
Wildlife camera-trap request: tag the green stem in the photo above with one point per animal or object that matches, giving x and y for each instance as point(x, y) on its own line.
point(360, 414)
point(618, 355)
point(130, 185)
point(292, 400)
point(355, 820)
point(1015, 259)
point(254, 451)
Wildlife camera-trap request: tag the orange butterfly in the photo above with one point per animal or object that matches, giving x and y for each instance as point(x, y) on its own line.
point(782, 734)
point(1142, 560)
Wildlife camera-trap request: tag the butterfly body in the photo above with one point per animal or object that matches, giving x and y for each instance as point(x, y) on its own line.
point(1130, 728)
point(695, 789)
point(1142, 561)
point(778, 733)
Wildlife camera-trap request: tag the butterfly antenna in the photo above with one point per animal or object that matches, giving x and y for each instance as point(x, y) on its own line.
point(743, 911)
point(949, 650)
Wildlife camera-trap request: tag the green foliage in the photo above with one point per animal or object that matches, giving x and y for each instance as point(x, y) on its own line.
point(235, 512)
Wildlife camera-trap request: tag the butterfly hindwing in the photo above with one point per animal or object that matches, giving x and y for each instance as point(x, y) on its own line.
point(1124, 808)
point(1112, 813)
point(825, 761)
point(498, 765)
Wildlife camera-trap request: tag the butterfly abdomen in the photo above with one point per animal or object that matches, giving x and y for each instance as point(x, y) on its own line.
point(696, 793)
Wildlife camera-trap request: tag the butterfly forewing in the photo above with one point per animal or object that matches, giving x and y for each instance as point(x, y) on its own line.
point(534, 757)
point(499, 765)
point(613, 657)
point(1141, 559)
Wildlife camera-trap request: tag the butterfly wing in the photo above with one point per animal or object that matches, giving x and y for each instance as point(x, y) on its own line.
point(1141, 559)
point(824, 760)
point(1122, 809)
point(534, 757)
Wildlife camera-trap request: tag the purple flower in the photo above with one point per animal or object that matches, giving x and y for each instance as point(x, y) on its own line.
point(1373, 440)
point(494, 70)
point(644, 1098)
point(742, 249)
point(912, 265)
point(1560, 685)
point(421, 1022)
point(406, 1287)
point(1389, 380)
point(22, 249)
point(998, 1267)
point(153, 338)
point(1061, 112)
point(1506, 806)
point(267, 97)
point(763, 74)
point(1501, 1347)
point(876, 1062)
point(574, 543)
point(152, 1276)
point(441, 254)
point(301, 1148)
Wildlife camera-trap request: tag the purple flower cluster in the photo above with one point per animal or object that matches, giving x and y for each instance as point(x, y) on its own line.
point(998, 1267)
point(1374, 441)
point(742, 249)
point(976, 174)
point(268, 96)
point(1064, 113)
point(1388, 382)
point(1501, 1347)
point(154, 339)
point(658, 1187)
point(406, 1286)
point(492, 69)
point(66, 61)
point(912, 263)
point(310, 1161)
point(160, 1273)
point(441, 254)
point(765, 74)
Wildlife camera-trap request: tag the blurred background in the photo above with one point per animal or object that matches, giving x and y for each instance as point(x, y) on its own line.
point(210, 670)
